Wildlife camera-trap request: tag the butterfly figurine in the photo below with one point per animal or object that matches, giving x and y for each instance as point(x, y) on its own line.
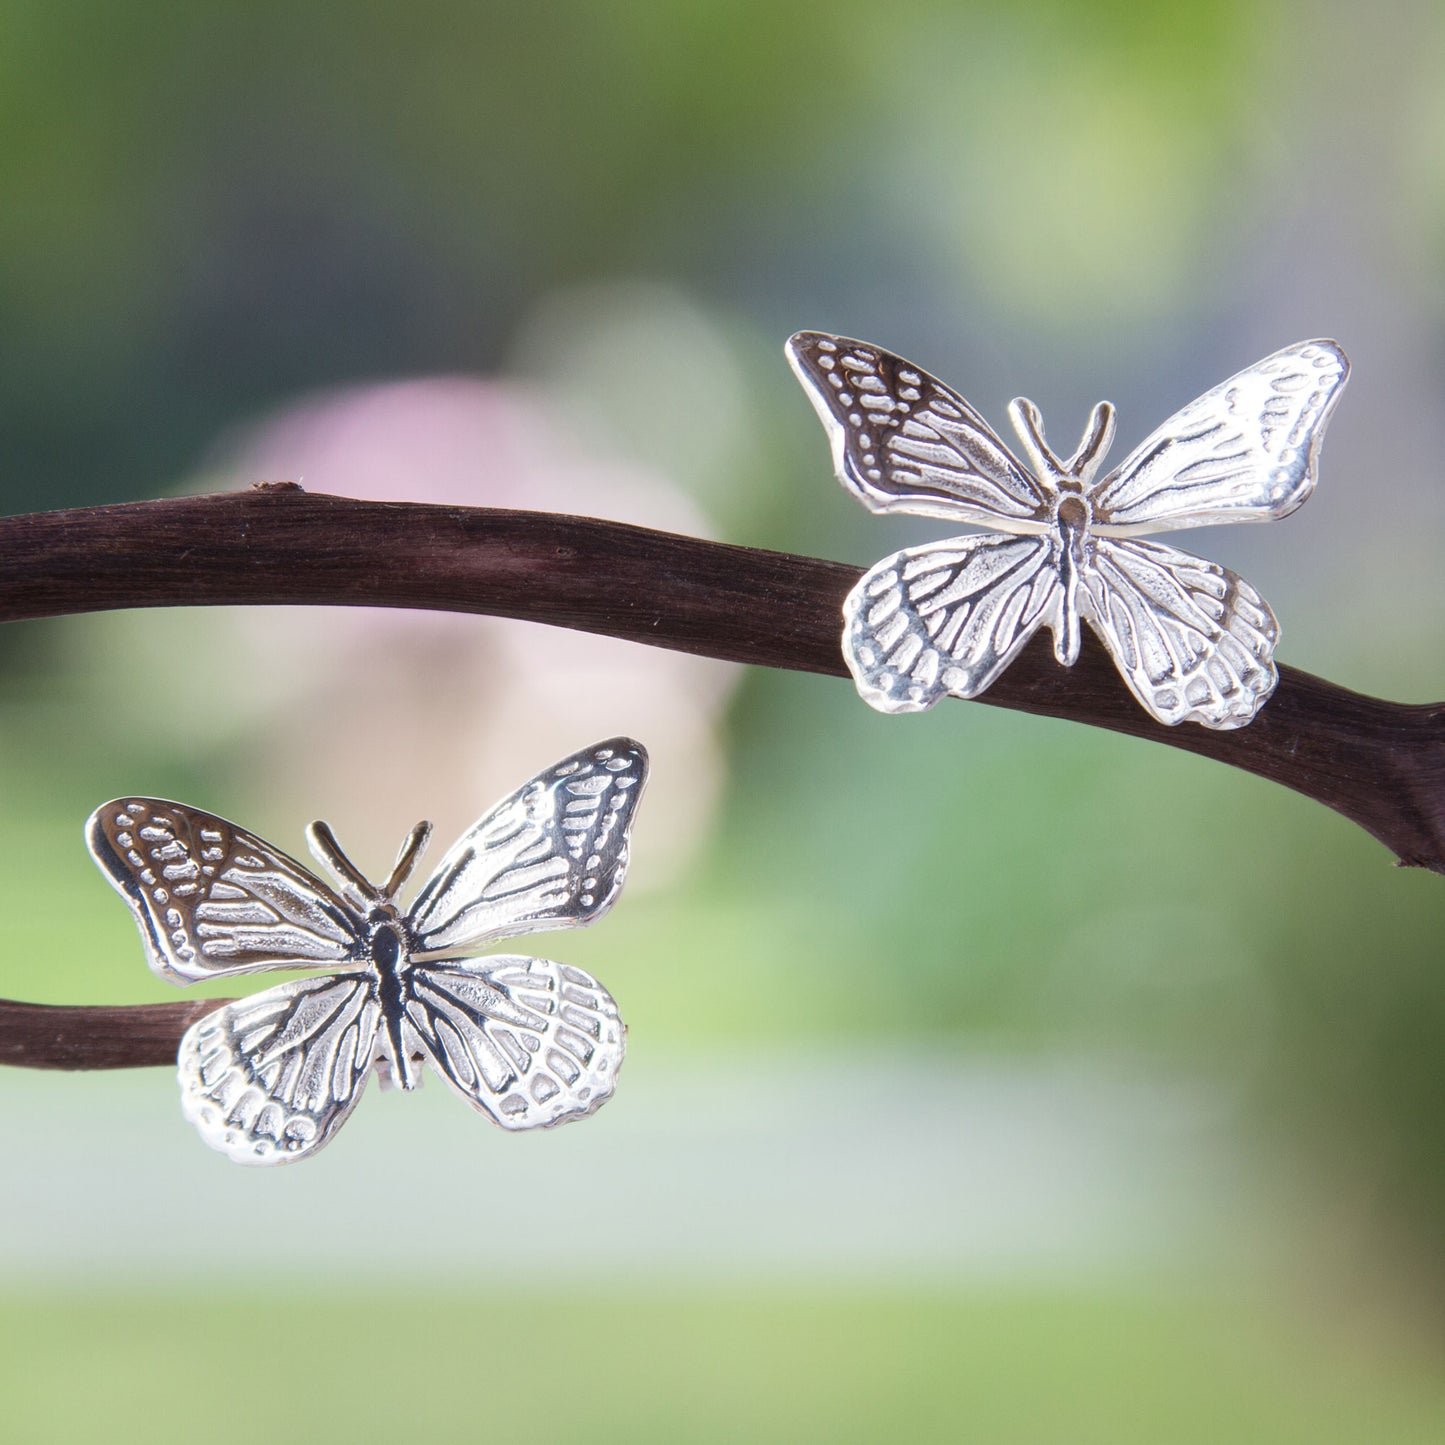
point(1193, 641)
point(270, 1078)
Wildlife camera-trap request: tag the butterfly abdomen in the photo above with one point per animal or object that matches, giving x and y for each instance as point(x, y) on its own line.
point(390, 947)
point(1073, 517)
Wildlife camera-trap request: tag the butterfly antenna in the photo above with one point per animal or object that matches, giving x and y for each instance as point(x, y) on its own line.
point(1098, 438)
point(408, 858)
point(1029, 424)
point(326, 850)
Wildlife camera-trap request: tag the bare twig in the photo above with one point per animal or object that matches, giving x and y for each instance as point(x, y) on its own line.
point(53, 1036)
point(1380, 764)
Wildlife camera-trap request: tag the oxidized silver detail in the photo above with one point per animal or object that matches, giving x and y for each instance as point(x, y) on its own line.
point(1193, 641)
point(526, 1041)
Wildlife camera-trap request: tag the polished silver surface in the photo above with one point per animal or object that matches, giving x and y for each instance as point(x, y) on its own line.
point(1193, 641)
point(270, 1078)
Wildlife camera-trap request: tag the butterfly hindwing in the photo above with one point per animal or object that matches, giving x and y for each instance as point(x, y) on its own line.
point(1246, 451)
point(271, 1078)
point(212, 899)
point(529, 1042)
point(552, 855)
point(1193, 640)
point(904, 442)
point(947, 617)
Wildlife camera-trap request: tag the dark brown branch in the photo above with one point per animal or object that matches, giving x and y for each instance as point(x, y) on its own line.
point(133, 1036)
point(1380, 764)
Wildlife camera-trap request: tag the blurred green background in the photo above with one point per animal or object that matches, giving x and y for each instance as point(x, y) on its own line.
point(990, 1078)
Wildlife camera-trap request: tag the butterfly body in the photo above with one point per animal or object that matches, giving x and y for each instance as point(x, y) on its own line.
point(1071, 557)
point(1193, 641)
point(527, 1041)
point(389, 948)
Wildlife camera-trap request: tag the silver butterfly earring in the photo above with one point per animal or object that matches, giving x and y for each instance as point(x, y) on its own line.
point(271, 1078)
point(1193, 641)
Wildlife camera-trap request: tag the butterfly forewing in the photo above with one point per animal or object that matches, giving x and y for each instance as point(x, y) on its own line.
point(946, 618)
point(529, 1042)
point(270, 1078)
point(213, 899)
point(904, 442)
point(552, 855)
point(1247, 451)
point(1194, 641)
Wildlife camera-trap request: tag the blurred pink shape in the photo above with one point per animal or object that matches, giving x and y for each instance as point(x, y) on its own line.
point(455, 440)
point(373, 718)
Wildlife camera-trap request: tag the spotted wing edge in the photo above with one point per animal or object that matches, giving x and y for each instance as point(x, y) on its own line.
point(946, 618)
point(529, 1042)
point(1193, 640)
point(553, 854)
point(312, 926)
point(1247, 450)
point(902, 441)
point(269, 1079)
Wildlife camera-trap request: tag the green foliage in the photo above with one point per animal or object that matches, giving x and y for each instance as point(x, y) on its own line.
point(748, 1364)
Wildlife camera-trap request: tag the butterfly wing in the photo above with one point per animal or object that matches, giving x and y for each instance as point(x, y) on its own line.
point(1194, 641)
point(904, 442)
point(552, 855)
point(528, 1042)
point(212, 899)
point(269, 1079)
point(1247, 451)
point(947, 617)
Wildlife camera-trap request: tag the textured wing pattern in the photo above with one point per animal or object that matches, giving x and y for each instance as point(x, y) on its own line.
point(529, 1042)
point(946, 618)
point(212, 899)
point(1194, 641)
point(271, 1078)
point(1247, 451)
point(903, 442)
point(552, 855)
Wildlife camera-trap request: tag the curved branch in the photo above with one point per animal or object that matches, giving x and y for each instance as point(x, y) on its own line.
point(1380, 764)
point(130, 1036)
